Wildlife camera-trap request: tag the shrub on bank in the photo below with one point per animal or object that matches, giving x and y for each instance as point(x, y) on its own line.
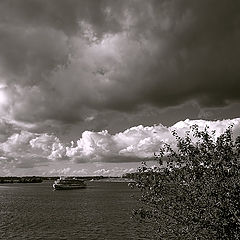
point(194, 193)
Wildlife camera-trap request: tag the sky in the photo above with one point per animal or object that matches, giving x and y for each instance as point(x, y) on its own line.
point(95, 87)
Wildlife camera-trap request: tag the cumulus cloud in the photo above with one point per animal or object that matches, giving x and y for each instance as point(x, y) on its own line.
point(69, 171)
point(114, 172)
point(63, 171)
point(130, 145)
point(25, 149)
point(137, 143)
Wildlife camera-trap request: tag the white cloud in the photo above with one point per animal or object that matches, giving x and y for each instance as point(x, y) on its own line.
point(50, 145)
point(63, 171)
point(138, 142)
point(24, 149)
point(102, 171)
point(219, 126)
point(18, 142)
point(114, 172)
point(80, 172)
point(58, 150)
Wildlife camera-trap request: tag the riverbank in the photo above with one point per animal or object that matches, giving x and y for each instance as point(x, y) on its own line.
point(39, 179)
point(20, 180)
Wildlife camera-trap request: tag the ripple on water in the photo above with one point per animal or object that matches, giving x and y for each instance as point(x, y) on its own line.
point(101, 211)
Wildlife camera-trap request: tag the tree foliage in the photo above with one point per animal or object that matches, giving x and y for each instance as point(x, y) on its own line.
point(194, 193)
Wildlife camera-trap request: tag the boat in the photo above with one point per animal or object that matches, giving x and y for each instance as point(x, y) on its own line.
point(67, 183)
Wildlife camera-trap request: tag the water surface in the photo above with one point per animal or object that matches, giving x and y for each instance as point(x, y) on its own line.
point(101, 211)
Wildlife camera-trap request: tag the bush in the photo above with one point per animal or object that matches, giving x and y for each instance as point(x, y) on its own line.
point(194, 193)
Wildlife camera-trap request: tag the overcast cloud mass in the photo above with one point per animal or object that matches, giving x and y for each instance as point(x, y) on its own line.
point(80, 81)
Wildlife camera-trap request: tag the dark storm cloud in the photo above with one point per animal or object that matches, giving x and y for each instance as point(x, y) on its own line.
point(196, 54)
point(61, 60)
point(59, 14)
point(34, 34)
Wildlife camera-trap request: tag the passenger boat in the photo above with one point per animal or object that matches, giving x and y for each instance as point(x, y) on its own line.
point(67, 183)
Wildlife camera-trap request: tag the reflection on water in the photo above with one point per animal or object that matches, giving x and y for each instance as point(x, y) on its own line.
point(101, 211)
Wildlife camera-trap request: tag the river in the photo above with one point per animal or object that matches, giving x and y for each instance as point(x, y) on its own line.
point(101, 211)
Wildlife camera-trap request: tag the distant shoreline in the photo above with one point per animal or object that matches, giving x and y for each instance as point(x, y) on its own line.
point(20, 180)
point(39, 179)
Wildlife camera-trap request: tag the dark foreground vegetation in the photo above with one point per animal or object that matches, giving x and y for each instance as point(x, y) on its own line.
point(194, 193)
